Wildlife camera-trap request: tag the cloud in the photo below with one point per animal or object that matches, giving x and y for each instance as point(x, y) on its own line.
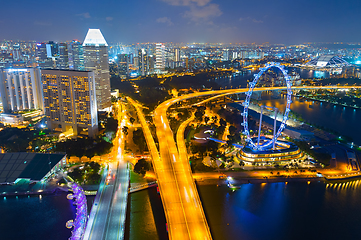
point(197, 14)
point(83, 15)
point(109, 18)
point(251, 19)
point(165, 20)
point(187, 2)
point(41, 23)
point(199, 11)
point(257, 21)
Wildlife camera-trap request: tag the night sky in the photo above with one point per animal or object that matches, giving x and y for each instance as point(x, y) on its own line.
point(132, 21)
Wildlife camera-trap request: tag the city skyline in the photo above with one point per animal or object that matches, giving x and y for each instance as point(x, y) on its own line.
point(185, 21)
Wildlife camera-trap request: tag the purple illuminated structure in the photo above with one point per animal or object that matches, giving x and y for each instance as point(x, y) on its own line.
point(79, 223)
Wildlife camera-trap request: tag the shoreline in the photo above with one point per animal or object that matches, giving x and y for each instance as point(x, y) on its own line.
point(325, 101)
point(239, 181)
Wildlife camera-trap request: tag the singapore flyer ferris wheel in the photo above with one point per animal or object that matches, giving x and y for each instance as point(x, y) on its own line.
point(267, 144)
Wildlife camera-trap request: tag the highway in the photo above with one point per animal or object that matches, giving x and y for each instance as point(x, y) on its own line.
point(116, 218)
point(99, 218)
point(186, 219)
point(107, 218)
point(183, 209)
point(168, 188)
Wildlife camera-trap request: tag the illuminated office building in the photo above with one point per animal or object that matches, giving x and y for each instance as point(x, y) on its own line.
point(62, 61)
point(143, 62)
point(76, 55)
point(96, 59)
point(225, 56)
point(69, 101)
point(52, 49)
point(160, 57)
point(20, 89)
point(123, 65)
point(177, 55)
point(42, 50)
point(17, 52)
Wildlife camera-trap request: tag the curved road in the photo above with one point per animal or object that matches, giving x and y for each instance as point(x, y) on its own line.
point(183, 210)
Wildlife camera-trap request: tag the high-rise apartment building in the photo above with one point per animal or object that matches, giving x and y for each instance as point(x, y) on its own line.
point(70, 101)
point(52, 49)
point(160, 57)
point(234, 55)
point(62, 61)
point(225, 56)
point(123, 65)
point(76, 55)
point(17, 52)
point(96, 59)
point(143, 62)
point(151, 63)
point(21, 89)
point(42, 56)
point(177, 55)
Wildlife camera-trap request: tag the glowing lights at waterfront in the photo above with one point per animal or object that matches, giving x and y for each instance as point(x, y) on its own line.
point(79, 223)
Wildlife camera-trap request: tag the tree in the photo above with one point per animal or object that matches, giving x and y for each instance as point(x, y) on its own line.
point(214, 118)
point(93, 177)
point(90, 153)
point(92, 167)
point(111, 126)
point(79, 152)
point(206, 119)
point(232, 130)
point(139, 139)
point(141, 167)
point(77, 175)
point(200, 112)
point(222, 122)
point(125, 130)
point(132, 120)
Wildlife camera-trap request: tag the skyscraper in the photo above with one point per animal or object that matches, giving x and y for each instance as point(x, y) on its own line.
point(21, 89)
point(62, 61)
point(160, 57)
point(76, 55)
point(96, 60)
point(143, 62)
point(17, 52)
point(69, 101)
point(52, 49)
point(123, 65)
point(42, 55)
point(177, 55)
point(225, 56)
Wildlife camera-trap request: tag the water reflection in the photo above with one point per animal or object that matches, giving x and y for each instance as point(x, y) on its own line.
point(296, 210)
point(330, 116)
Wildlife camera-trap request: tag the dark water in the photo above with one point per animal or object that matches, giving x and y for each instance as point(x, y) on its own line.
point(145, 215)
point(36, 218)
point(283, 212)
point(343, 120)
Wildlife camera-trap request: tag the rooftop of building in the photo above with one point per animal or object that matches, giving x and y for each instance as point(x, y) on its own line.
point(24, 165)
point(94, 37)
point(65, 70)
point(328, 61)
